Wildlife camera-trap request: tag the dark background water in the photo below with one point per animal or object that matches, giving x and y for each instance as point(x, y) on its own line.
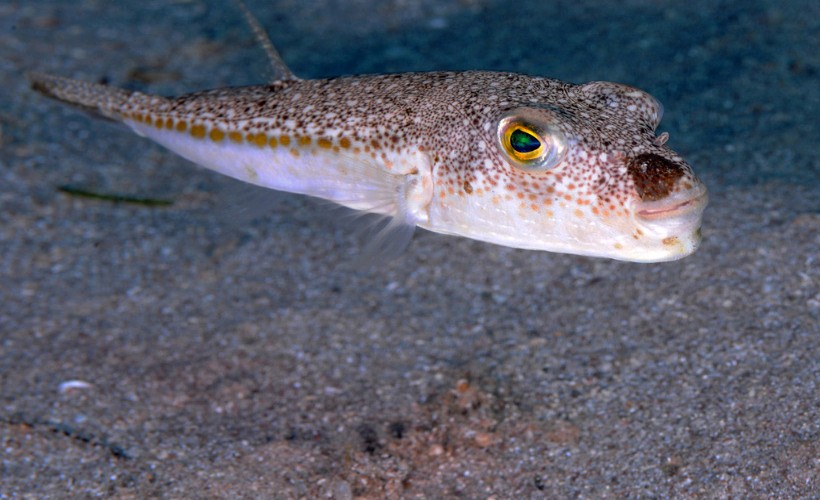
point(236, 354)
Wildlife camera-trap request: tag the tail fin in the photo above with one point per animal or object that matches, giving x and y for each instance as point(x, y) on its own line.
point(99, 99)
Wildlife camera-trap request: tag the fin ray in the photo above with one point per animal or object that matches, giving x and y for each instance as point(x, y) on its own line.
point(281, 72)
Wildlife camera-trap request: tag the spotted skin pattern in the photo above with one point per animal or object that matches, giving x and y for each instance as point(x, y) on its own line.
point(424, 148)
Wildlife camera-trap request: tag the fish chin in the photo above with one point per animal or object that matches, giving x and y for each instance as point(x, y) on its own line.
point(667, 249)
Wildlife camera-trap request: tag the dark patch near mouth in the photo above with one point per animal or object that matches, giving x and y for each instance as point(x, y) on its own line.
point(654, 176)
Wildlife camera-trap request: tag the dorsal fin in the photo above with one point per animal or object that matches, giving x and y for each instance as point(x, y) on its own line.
point(281, 72)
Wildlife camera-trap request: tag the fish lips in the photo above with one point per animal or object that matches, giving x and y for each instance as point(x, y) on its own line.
point(678, 211)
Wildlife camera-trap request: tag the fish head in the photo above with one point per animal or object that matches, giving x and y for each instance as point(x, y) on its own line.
point(576, 169)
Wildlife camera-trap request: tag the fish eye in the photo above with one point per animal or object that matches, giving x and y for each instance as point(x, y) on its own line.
point(524, 145)
point(530, 146)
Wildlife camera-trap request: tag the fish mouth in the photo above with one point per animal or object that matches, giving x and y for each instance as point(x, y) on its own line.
point(684, 205)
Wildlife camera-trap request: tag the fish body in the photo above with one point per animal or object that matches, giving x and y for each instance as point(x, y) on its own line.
point(510, 159)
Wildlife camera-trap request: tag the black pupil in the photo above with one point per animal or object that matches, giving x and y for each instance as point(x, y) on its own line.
point(523, 142)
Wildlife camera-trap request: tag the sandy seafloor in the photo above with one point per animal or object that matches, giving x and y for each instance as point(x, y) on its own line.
point(233, 355)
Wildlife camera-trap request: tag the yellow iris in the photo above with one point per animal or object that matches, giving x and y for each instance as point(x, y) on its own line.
point(523, 143)
point(532, 139)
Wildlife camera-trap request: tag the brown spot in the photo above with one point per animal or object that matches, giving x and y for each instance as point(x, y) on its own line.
point(344, 142)
point(235, 136)
point(324, 143)
point(273, 142)
point(198, 131)
point(182, 126)
point(260, 140)
point(304, 141)
point(468, 188)
point(216, 135)
point(654, 176)
point(670, 241)
point(284, 140)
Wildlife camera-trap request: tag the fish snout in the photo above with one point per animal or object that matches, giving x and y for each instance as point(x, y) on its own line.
point(656, 177)
point(667, 190)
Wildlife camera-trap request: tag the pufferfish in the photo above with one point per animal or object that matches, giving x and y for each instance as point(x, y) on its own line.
point(515, 160)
